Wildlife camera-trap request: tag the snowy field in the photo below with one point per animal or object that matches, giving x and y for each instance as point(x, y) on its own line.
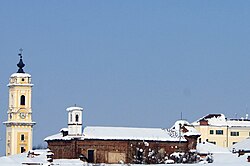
point(221, 156)
point(219, 160)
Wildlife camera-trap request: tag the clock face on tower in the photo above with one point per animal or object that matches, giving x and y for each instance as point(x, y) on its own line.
point(22, 115)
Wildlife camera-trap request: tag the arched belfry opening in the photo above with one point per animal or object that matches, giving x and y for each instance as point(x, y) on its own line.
point(22, 100)
point(77, 118)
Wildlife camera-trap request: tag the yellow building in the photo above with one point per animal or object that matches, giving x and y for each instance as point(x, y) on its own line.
point(19, 125)
point(217, 129)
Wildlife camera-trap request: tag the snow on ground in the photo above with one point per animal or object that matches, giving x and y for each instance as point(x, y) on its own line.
point(222, 156)
point(206, 147)
point(229, 159)
point(220, 159)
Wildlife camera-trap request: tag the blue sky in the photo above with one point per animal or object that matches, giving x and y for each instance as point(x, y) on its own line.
point(127, 63)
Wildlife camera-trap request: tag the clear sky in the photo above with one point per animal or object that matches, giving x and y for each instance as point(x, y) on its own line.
point(127, 63)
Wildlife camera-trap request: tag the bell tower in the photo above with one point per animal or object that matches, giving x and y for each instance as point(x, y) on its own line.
point(19, 125)
point(75, 121)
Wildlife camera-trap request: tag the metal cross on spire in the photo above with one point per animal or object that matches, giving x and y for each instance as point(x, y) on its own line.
point(20, 65)
point(21, 52)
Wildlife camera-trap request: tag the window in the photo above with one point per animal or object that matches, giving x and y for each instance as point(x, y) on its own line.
point(235, 133)
point(12, 100)
point(71, 117)
point(213, 142)
point(219, 132)
point(22, 100)
point(22, 137)
point(77, 118)
point(22, 150)
point(211, 131)
point(91, 156)
point(234, 143)
point(22, 79)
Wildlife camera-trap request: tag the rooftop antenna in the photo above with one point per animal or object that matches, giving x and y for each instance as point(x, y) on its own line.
point(181, 115)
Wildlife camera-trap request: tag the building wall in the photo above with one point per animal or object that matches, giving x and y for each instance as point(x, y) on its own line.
point(105, 151)
point(214, 134)
point(14, 141)
point(237, 134)
point(225, 139)
point(191, 141)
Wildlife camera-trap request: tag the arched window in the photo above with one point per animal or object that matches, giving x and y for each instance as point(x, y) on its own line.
point(71, 117)
point(77, 118)
point(22, 100)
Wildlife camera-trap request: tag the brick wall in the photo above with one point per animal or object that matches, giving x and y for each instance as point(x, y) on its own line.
point(126, 150)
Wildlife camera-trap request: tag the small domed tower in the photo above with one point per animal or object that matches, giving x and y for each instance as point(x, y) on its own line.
point(75, 121)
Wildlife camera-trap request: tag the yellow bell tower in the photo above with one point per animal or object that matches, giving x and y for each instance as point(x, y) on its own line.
point(19, 125)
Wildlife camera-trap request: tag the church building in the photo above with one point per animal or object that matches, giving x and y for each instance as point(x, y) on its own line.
point(95, 144)
point(19, 125)
point(98, 144)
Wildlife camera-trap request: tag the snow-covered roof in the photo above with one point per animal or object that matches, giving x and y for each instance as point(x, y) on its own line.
point(221, 120)
point(191, 131)
point(238, 123)
point(64, 129)
point(180, 122)
point(121, 133)
point(242, 145)
point(128, 133)
point(39, 159)
point(206, 147)
point(183, 123)
point(213, 119)
point(74, 108)
point(59, 136)
point(22, 158)
point(21, 75)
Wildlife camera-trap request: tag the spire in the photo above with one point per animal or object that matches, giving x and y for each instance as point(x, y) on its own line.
point(20, 64)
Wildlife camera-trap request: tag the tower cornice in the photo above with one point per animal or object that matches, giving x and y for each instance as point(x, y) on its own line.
point(10, 85)
point(14, 123)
